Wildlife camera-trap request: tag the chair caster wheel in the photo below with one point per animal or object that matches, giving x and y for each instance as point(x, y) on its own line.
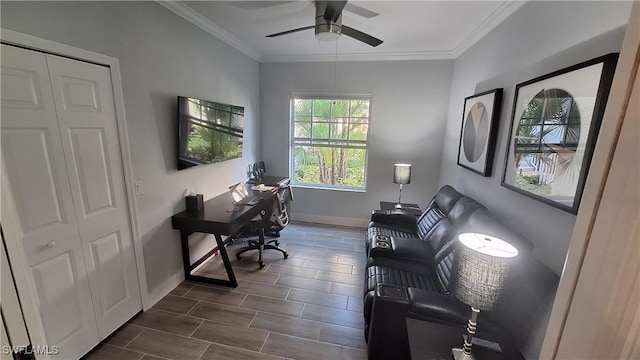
point(261, 265)
point(286, 255)
point(238, 256)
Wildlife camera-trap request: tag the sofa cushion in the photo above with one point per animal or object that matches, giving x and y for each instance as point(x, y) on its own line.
point(382, 221)
point(444, 269)
point(440, 308)
point(428, 220)
point(463, 209)
point(387, 275)
point(446, 198)
point(438, 208)
point(375, 275)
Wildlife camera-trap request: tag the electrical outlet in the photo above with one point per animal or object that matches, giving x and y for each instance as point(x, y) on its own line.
point(139, 185)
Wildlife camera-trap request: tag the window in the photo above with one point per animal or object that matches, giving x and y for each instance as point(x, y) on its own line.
point(329, 142)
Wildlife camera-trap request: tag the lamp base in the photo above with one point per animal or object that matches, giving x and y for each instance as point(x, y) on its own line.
point(458, 354)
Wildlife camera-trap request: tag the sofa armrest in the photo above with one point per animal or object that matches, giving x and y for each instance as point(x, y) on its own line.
point(405, 249)
point(387, 337)
point(440, 308)
point(397, 219)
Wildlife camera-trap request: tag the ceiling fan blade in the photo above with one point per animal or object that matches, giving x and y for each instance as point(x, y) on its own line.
point(333, 10)
point(291, 31)
point(359, 35)
point(359, 10)
point(255, 5)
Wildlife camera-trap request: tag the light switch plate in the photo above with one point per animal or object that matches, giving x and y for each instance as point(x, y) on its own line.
point(139, 185)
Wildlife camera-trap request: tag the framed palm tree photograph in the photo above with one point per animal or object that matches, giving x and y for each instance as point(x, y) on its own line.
point(554, 128)
point(479, 130)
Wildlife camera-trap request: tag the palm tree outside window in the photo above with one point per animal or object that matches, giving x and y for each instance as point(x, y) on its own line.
point(329, 142)
point(547, 139)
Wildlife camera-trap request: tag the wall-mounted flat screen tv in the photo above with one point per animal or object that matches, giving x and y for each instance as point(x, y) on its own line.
point(208, 132)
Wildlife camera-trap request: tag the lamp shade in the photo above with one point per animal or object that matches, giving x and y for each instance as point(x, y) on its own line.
point(481, 265)
point(402, 173)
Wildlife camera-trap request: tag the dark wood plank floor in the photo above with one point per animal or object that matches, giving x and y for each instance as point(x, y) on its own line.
point(306, 307)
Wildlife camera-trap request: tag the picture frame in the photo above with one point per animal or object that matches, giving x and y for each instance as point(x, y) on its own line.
point(479, 130)
point(554, 127)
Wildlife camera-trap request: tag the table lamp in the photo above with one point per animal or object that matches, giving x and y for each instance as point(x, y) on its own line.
point(481, 265)
point(401, 175)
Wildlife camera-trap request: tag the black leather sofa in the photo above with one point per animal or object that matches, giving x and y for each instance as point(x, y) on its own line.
point(409, 267)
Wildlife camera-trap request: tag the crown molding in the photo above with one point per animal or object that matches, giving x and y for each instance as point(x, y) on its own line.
point(506, 9)
point(424, 55)
point(205, 24)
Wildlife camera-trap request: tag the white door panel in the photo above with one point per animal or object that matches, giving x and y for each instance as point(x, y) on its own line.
point(94, 175)
point(24, 80)
point(83, 98)
point(37, 176)
point(56, 280)
point(36, 191)
point(79, 95)
point(108, 262)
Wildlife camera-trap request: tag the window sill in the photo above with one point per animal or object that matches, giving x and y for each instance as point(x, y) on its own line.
point(330, 188)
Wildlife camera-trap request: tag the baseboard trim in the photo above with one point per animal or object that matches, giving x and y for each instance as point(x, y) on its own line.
point(330, 220)
point(163, 289)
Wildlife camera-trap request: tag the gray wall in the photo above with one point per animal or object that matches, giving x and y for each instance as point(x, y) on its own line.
point(408, 114)
point(161, 56)
point(539, 38)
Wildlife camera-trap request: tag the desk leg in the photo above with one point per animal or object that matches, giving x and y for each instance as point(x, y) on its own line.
point(225, 259)
point(186, 261)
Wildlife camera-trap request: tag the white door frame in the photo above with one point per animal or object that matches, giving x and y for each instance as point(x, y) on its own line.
point(24, 282)
point(576, 264)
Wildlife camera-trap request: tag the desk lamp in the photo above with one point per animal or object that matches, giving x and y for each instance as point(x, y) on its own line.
point(401, 175)
point(481, 263)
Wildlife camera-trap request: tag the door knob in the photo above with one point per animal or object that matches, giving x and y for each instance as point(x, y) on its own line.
point(51, 244)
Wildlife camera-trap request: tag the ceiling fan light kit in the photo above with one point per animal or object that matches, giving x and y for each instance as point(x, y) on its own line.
point(329, 26)
point(327, 30)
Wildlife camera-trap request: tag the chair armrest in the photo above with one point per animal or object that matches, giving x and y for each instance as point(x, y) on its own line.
point(440, 308)
point(395, 218)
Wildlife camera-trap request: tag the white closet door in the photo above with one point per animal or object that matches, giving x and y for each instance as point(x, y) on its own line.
point(84, 103)
point(33, 153)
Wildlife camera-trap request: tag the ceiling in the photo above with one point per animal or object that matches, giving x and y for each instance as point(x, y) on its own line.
point(410, 29)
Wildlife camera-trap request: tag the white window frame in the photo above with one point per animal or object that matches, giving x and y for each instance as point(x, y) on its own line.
point(292, 143)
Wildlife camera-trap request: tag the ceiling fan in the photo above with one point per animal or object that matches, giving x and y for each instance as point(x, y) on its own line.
point(329, 26)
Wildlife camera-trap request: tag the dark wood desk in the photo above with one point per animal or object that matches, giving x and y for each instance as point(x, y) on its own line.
point(431, 341)
point(220, 217)
point(270, 181)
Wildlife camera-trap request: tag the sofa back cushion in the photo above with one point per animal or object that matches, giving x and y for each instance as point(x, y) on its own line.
point(462, 211)
point(444, 268)
point(441, 235)
point(438, 209)
point(428, 220)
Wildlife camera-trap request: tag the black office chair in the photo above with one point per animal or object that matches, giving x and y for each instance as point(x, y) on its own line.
point(272, 219)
